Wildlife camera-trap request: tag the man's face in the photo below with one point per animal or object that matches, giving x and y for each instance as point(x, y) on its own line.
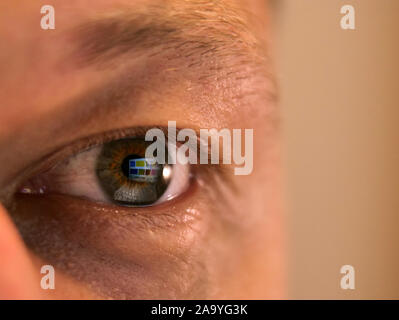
point(109, 71)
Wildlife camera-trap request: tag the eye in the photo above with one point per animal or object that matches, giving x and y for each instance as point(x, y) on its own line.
point(116, 172)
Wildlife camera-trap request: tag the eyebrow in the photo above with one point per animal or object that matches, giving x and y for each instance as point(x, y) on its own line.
point(196, 30)
point(211, 41)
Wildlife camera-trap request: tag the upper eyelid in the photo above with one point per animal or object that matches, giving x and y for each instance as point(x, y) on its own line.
point(74, 148)
point(86, 143)
point(65, 151)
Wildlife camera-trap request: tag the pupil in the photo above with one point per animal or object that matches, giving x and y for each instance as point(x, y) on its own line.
point(125, 163)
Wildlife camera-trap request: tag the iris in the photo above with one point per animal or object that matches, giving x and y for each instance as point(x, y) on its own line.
point(127, 177)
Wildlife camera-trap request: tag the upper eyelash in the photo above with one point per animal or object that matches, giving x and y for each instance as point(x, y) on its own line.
point(64, 152)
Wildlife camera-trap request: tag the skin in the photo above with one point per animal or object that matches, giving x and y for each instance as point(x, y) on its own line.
point(223, 237)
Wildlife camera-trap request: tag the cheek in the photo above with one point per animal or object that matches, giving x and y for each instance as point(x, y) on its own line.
point(112, 254)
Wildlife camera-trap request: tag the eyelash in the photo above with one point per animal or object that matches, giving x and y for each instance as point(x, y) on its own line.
point(201, 172)
point(48, 161)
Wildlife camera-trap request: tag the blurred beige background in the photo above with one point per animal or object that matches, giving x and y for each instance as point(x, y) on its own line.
point(340, 108)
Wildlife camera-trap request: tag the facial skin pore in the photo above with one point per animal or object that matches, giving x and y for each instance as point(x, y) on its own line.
point(110, 66)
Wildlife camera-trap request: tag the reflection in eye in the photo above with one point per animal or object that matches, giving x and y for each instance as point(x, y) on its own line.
point(115, 172)
point(128, 177)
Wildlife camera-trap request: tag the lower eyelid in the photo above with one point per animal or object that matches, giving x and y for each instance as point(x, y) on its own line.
point(165, 216)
